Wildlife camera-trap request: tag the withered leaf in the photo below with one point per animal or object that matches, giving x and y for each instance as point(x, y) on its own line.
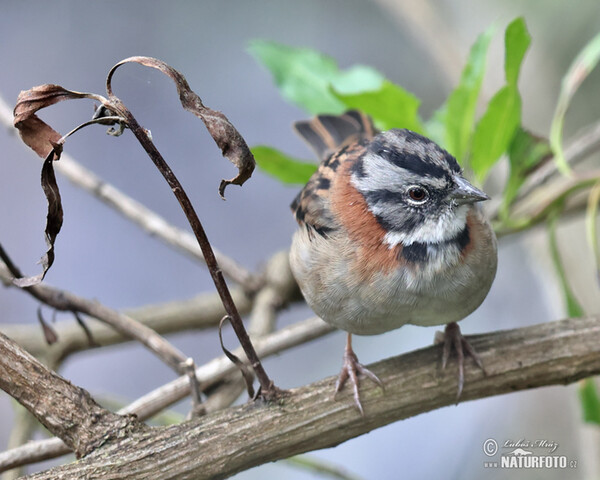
point(36, 133)
point(49, 333)
point(54, 218)
point(228, 139)
point(246, 373)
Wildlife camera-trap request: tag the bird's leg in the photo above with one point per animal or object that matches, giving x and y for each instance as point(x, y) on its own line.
point(453, 339)
point(351, 368)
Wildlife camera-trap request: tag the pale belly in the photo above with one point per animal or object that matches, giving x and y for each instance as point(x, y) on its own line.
point(386, 302)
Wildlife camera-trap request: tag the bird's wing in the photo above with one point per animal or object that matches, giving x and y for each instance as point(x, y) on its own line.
point(337, 140)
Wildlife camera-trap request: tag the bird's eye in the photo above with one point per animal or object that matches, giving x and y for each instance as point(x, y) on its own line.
point(418, 194)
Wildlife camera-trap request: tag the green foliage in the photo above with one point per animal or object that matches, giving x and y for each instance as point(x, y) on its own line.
point(591, 224)
point(460, 106)
point(390, 106)
point(526, 152)
point(495, 130)
point(516, 43)
point(281, 166)
point(574, 309)
point(305, 77)
point(497, 127)
point(588, 395)
point(581, 67)
point(314, 82)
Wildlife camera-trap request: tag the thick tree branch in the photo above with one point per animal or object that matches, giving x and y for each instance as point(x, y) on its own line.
point(213, 372)
point(69, 412)
point(236, 439)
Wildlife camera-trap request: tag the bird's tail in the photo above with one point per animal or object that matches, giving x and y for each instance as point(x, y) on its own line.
point(326, 134)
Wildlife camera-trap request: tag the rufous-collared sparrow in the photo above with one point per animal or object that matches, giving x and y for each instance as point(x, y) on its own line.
point(390, 233)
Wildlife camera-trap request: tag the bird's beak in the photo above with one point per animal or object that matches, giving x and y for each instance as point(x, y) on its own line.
point(465, 193)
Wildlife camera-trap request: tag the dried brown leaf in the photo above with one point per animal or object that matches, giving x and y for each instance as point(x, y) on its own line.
point(228, 139)
point(246, 373)
point(54, 218)
point(36, 133)
point(49, 333)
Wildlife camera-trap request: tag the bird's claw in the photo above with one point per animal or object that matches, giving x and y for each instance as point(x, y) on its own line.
point(453, 338)
point(351, 368)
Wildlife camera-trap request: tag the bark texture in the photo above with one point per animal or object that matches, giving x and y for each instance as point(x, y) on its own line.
point(235, 439)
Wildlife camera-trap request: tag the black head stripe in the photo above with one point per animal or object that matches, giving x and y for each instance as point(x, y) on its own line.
point(412, 162)
point(415, 153)
point(454, 166)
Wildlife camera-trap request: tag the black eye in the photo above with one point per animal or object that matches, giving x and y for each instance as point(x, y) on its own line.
point(418, 194)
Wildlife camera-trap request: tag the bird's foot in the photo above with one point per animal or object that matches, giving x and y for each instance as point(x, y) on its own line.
point(351, 369)
point(453, 338)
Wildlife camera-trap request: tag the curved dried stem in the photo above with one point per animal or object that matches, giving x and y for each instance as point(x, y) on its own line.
point(268, 389)
point(149, 221)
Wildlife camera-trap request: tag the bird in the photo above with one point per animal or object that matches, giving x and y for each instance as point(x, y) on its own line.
point(390, 232)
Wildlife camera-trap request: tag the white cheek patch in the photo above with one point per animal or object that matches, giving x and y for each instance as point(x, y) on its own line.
point(438, 230)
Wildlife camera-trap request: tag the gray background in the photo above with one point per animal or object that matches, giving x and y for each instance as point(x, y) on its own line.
point(100, 255)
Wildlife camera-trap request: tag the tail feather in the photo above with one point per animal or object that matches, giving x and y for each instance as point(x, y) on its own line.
point(326, 134)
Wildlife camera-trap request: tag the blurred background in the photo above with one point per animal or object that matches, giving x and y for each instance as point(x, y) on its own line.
point(422, 46)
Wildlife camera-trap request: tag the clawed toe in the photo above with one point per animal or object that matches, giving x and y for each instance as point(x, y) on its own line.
point(351, 368)
point(453, 339)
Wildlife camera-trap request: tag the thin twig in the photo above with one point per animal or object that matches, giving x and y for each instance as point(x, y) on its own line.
point(172, 392)
point(580, 146)
point(67, 302)
point(583, 144)
point(25, 425)
point(201, 312)
point(137, 213)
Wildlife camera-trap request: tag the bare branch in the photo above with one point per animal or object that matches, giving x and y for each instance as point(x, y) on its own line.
point(203, 311)
point(65, 301)
point(308, 418)
point(155, 401)
point(580, 146)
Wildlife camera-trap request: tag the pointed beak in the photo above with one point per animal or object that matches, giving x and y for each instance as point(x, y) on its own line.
point(465, 193)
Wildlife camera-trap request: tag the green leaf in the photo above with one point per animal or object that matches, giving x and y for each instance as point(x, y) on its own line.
point(281, 166)
point(435, 127)
point(390, 106)
point(461, 104)
point(516, 43)
point(590, 403)
point(581, 67)
point(304, 76)
point(591, 225)
point(574, 309)
point(495, 130)
point(526, 153)
point(357, 79)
